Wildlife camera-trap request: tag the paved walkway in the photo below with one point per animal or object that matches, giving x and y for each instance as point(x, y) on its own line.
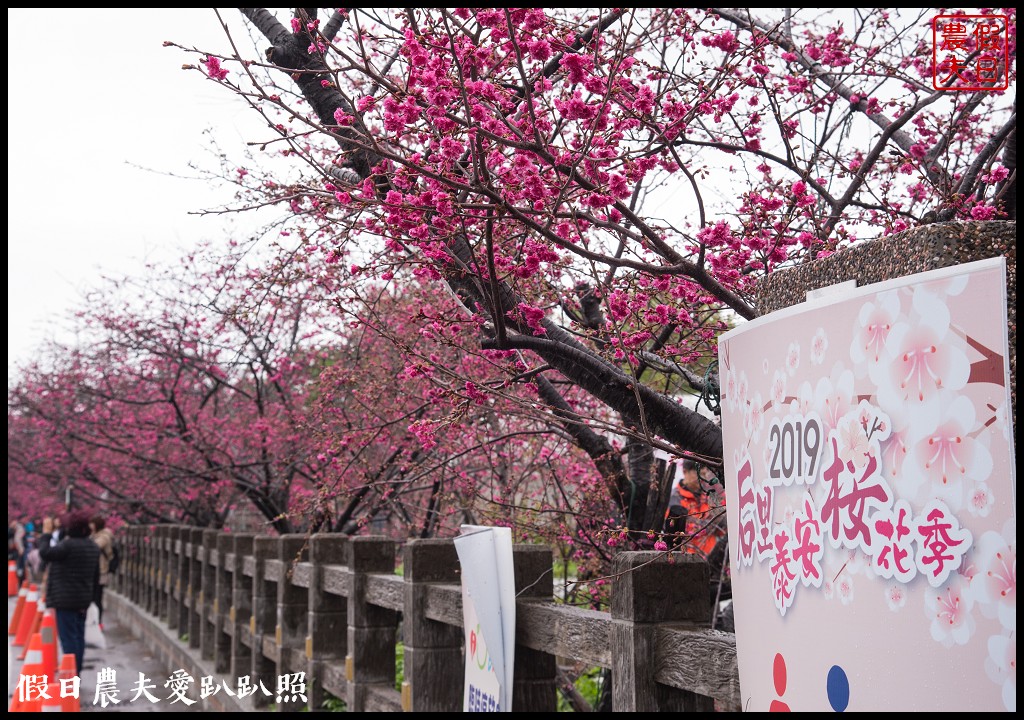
point(127, 656)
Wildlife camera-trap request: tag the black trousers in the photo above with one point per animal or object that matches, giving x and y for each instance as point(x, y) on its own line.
point(97, 597)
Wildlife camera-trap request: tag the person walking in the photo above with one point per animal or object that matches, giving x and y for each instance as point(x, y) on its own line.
point(104, 539)
point(16, 547)
point(32, 565)
point(56, 535)
point(58, 530)
point(73, 571)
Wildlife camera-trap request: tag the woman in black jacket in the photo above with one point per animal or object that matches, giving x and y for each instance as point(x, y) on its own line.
point(73, 571)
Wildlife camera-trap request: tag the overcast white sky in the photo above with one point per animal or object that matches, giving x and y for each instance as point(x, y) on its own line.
point(100, 117)
point(92, 96)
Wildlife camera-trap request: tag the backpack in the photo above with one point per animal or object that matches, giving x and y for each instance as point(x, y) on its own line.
point(114, 559)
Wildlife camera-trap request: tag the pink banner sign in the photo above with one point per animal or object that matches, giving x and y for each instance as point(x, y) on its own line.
point(870, 486)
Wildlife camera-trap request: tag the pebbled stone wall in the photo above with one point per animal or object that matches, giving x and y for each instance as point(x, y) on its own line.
point(917, 250)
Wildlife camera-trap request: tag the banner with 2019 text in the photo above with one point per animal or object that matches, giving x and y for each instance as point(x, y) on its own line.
point(871, 484)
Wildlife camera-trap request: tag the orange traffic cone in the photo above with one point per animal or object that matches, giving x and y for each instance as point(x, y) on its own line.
point(12, 578)
point(33, 654)
point(67, 668)
point(53, 702)
point(48, 633)
point(15, 705)
point(70, 703)
point(26, 698)
point(12, 629)
point(33, 630)
point(28, 616)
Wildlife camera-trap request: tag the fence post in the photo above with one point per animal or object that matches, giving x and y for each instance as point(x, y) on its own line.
point(222, 602)
point(207, 593)
point(131, 581)
point(433, 650)
point(327, 626)
point(163, 553)
point(194, 556)
point(142, 565)
point(180, 569)
point(534, 686)
point(149, 574)
point(241, 607)
point(371, 629)
point(651, 588)
point(292, 604)
point(264, 616)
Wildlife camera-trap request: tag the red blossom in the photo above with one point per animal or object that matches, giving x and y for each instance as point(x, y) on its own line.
point(213, 68)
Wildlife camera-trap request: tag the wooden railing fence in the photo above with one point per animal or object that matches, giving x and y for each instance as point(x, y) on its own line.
point(331, 606)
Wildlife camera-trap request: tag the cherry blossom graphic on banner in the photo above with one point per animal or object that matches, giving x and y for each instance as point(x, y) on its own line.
point(871, 491)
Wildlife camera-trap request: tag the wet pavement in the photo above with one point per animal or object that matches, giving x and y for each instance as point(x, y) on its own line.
point(125, 656)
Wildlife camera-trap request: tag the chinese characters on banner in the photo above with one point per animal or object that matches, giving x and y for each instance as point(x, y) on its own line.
point(871, 497)
point(179, 687)
point(970, 52)
point(489, 617)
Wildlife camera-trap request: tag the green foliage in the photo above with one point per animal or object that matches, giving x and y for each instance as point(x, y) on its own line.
point(565, 569)
point(588, 684)
point(399, 666)
point(333, 704)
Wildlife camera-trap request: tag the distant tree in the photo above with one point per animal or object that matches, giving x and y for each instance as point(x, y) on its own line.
point(215, 385)
point(179, 398)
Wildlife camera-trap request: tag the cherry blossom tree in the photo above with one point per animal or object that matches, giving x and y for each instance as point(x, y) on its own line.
point(600, 191)
point(179, 398)
point(214, 385)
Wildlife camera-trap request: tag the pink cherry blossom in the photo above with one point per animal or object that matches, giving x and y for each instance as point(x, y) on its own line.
point(896, 596)
point(995, 584)
point(949, 610)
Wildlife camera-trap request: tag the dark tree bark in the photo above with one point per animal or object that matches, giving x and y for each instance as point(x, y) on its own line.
point(656, 414)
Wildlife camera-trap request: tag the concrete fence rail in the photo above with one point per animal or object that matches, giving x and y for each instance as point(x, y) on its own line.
point(332, 607)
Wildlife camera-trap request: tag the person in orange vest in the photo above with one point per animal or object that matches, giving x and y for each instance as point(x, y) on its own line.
point(702, 513)
point(701, 518)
